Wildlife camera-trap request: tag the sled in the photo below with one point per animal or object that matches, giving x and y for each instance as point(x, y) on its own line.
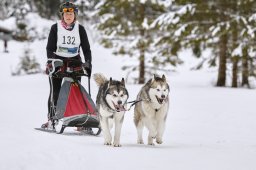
point(46, 130)
point(74, 108)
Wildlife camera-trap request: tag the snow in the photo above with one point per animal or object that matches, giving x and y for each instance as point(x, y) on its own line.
point(173, 17)
point(145, 23)
point(237, 51)
point(180, 30)
point(8, 24)
point(215, 30)
point(38, 25)
point(207, 127)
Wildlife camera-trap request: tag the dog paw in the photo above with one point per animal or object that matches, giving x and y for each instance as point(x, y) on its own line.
point(107, 143)
point(159, 141)
point(140, 142)
point(117, 145)
point(151, 143)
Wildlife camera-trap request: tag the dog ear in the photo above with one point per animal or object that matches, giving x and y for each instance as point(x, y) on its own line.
point(155, 76)
point(153, 79)
point(110, 81)
point(163, 77)
point(122, 82)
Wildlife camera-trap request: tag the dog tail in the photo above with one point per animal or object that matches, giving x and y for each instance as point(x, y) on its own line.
point(99, 78)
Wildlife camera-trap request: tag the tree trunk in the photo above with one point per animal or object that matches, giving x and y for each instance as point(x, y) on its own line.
point(142, 49)
point(222, 61)
point(245, 69)
point(235, 59)
point(142, 69)
point(235, 71)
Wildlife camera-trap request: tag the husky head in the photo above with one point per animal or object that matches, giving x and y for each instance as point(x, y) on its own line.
point(116, 95)
point(159, 89)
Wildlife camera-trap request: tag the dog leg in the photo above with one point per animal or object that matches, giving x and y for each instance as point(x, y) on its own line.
point(161, 119)
point(118, 126)
point(110, 124)
point(106, 132)
point(150, 140)
point(151, 125)
point(160, 131)
point(139, 124)
point(139, 127)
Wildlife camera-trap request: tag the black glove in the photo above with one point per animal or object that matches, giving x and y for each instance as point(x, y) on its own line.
point(88, 67)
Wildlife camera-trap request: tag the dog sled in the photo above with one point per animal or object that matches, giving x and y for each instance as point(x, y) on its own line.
point(74, 107)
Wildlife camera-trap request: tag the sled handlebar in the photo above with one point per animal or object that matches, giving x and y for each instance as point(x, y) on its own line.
point(56, 68)
point(73, 74)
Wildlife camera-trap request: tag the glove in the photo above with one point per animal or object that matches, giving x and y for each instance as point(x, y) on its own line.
point(54, 67)
point(88, 67)
point(48, 67)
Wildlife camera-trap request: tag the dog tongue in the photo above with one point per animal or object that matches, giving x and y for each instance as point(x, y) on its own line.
point(160, 100)
point(119, 108)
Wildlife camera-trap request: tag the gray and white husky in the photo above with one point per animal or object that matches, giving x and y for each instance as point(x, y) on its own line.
point(111, 105)
point(152, 110)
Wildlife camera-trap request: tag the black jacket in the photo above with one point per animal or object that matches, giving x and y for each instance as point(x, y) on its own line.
point(52, 43)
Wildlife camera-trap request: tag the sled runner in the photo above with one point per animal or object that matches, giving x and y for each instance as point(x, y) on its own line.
point(74, 108)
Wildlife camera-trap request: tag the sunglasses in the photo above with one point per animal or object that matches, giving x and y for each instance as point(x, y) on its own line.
point(68, 10)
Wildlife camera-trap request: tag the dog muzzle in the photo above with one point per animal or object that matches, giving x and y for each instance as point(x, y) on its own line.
point(161, 100)
point(119, 107)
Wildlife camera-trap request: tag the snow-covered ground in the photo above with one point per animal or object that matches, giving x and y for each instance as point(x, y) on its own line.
point(208, 128)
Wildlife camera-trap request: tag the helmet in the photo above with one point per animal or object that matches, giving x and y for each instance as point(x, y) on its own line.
point(68, 7)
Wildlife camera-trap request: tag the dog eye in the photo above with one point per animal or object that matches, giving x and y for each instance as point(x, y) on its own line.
point(122, 95)
point(158, 89)
point(114, 95)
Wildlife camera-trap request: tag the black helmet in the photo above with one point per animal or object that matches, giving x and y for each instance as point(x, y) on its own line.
point(68, 7)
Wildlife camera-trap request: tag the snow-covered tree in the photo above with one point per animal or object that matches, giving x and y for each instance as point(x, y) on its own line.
point(7, 8)
point(86, 10)
point(28, 64)
point(125, 26)
point(224, 26)
point(48, 8)
point(20, 13)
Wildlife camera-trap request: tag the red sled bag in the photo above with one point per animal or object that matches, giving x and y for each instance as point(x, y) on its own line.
point(75, 106)
point(77, 102)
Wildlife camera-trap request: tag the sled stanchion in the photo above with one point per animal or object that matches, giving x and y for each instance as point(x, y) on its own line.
point(98, 132)
point(62, 129)
point(89, 85)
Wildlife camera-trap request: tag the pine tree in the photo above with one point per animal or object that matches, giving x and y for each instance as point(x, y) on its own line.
point(125, 26)
point(21, 12)
point(28, 64)
point(48, 8)
point(86, 10)
point(220, 25)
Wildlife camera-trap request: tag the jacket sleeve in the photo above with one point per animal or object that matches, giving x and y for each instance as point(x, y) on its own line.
point(52, 42)
point(85, 44)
